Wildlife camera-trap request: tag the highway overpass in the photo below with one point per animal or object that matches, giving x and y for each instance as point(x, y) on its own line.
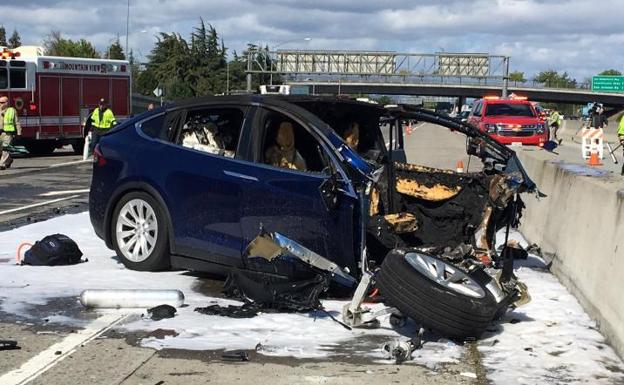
point(614, 102)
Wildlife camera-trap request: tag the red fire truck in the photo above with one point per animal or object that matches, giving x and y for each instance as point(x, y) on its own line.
point(55, 95)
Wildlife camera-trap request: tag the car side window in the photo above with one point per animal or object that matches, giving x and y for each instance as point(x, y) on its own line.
point(154, 127)
point(477, 109)
point(287, 144)
point(212, 130)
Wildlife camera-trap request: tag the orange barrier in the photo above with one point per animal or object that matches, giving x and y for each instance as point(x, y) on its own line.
point(593, 159)
point(460, 166)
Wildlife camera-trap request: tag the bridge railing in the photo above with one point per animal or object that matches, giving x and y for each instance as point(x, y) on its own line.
point(445, 68)
point(434, 80)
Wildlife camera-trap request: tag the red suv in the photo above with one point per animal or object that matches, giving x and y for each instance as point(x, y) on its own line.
point(509, 121)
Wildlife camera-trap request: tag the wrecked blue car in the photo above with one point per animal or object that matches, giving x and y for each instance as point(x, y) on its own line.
point(193, 184)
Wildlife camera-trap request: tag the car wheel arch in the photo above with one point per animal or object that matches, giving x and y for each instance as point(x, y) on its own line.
point(128, 188)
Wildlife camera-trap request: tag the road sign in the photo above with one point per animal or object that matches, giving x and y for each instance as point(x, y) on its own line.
point(608, 84)
point(158, 91)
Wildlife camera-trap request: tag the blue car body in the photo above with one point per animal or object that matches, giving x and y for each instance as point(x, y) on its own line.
point(215, 205)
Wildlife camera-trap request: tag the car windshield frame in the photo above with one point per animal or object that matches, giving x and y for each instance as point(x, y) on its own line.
point(510, 109)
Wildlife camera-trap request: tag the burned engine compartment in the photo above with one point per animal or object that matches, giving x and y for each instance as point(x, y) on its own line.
point(446, 210)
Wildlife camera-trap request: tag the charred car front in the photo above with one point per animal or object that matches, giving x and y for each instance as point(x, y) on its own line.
point(192, 185)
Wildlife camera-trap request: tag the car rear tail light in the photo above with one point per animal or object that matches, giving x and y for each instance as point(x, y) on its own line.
point(32, 107)
point(98, 158)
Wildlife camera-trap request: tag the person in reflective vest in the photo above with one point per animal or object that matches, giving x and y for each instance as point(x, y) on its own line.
point(102, 120)
point(553, 122)
point(9, 124)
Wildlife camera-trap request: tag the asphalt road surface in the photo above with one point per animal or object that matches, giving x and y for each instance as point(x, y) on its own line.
point(36, 188)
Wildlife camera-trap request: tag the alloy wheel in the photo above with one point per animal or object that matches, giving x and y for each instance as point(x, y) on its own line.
point(136, 230)
point(445, 274)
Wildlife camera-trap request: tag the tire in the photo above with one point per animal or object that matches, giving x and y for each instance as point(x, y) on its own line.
point(449, 310)
point(42, 147)
point(134, 209)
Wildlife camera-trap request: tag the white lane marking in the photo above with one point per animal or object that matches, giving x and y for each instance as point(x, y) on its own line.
point(417, 127)
point(37, 204)
point(55, 193)
point(43, 361)
point(68, 163)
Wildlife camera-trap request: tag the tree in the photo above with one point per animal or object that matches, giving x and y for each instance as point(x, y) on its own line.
point(3, 40)
point(517, 76)
point(15, 40)
point(610, 72)
point(169, 65)
point(552, 78)
point(115, 51)
point(56, 45)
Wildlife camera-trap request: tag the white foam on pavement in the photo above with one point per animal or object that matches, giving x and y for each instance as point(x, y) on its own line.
point(550, 340)
point(22, 288)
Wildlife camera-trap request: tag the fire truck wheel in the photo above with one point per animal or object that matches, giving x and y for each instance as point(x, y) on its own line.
point(42, 147)
point(139, 233)
point(435, 293)
point(78, 146)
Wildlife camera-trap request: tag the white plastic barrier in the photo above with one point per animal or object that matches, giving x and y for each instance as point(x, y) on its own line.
point(593, 140)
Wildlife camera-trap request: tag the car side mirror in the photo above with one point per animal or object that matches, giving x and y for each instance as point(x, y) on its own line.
point(330, 192)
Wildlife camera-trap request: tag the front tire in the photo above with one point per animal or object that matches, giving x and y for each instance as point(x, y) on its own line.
point(438, 295)
point(139, 233)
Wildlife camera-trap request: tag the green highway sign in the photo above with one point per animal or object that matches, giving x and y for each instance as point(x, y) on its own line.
point(608, 84)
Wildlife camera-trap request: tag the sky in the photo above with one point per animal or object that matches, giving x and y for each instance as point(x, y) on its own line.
point(580, 37)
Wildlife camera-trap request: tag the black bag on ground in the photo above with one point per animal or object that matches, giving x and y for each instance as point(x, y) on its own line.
point(287, 286)
point(53, 250)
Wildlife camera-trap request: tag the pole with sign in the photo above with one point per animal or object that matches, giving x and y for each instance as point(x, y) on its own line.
point(159, 94)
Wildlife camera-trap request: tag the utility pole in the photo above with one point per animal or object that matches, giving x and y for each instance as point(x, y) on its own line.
point(505, 77)
point(249, 53)
point(127, 28)
point(227, 77)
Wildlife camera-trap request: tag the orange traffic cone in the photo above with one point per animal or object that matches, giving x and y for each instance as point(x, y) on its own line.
point(594, 160)
point(460, 166)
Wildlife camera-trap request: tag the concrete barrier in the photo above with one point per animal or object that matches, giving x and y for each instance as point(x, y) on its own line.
point(582, 223)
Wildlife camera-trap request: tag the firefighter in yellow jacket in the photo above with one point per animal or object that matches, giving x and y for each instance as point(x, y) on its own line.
point(9, 126)
point(102, 120)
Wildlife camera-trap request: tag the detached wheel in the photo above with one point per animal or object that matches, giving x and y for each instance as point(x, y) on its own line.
point(438, 295)
point(139, 233)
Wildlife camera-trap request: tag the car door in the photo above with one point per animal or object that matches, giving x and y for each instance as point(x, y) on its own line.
point(203, 197)
point(289, 201)
point(475, 115)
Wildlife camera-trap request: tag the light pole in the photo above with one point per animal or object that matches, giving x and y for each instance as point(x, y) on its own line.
point(127, 27)
point(276, 47)
point(227, 77)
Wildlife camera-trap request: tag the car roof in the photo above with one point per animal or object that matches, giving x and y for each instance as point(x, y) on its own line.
point(285, 102)
point(273, 100)
point(506, 101)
